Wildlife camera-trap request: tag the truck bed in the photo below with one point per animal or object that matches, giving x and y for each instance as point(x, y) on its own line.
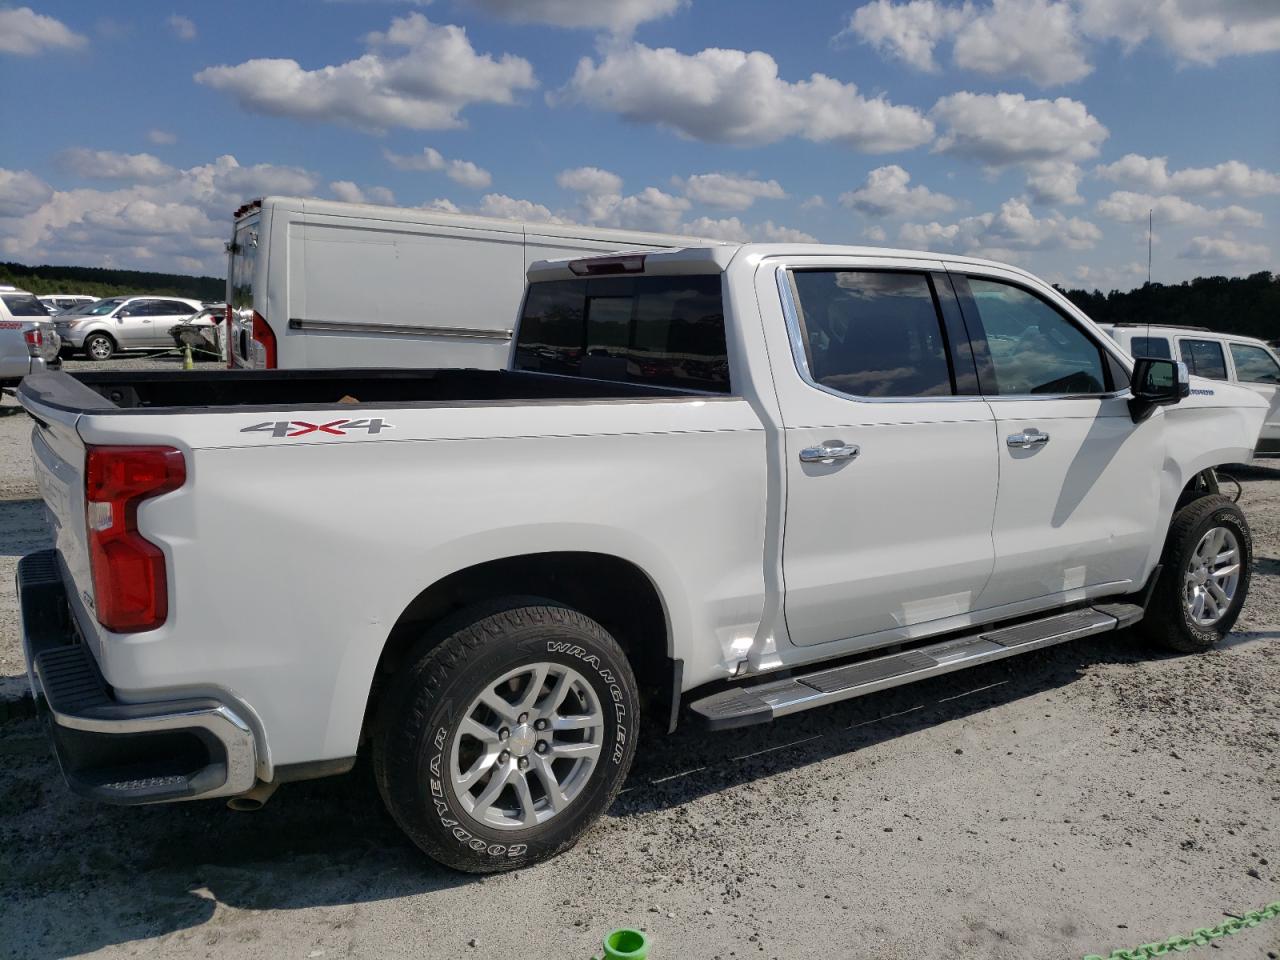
point(196, 391)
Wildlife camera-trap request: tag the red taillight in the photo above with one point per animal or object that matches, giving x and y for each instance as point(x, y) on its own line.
point(265, 338)
point(231, 358)
point(35, 340)
point(130, 587)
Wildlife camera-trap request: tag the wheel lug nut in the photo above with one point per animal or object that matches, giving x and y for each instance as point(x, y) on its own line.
point(524, 718)
point(504, 733)
point(524, 763)
point(504, 756)
point(542, 746)
point(540, 725)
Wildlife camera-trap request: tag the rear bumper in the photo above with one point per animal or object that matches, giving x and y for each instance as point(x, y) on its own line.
point(125, 753)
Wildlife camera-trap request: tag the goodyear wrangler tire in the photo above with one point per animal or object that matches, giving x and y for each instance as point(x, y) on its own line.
point(1205, 576)
point(508, 732)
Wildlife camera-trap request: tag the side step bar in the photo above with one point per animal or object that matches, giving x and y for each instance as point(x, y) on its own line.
point(743, 706)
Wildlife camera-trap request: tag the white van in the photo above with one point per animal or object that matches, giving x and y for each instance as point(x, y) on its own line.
point(1247, 361)
point(319, 283)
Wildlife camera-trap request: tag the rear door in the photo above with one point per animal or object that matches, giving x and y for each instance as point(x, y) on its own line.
point(1078, 479)
point(1257, 368)
point(890, 456)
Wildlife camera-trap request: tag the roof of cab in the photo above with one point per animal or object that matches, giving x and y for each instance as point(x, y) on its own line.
point(716, 259)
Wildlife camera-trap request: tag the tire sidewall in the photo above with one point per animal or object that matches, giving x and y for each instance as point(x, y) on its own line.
point(1223, 515)
point(433, 815)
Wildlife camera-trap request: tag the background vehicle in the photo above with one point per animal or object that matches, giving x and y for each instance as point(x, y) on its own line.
point(103, 328)
point(61, 302)
point(204, 329)
point(598, 531)
point(1247, 361)
point(28, 341)
point(318, 283)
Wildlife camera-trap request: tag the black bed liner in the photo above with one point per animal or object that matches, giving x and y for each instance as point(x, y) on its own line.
point(174, 391)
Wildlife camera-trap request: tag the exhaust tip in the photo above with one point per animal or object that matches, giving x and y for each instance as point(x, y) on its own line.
point(245, 804)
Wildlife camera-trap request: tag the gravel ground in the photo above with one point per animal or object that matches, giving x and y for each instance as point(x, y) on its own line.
point(1090, 796)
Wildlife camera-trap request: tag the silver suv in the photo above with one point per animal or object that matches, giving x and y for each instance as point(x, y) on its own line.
point(108, 326)
point(28, 342)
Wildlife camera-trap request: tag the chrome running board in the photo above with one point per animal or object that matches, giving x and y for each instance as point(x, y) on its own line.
point(742, 706)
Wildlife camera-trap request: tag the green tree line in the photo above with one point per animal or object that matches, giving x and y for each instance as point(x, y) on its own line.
point(1245, 305)
point(106, 282)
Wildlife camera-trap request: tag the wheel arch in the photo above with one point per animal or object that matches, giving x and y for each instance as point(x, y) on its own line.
point(613, 591)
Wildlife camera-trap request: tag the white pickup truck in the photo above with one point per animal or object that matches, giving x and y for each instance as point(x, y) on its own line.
point(728, 483)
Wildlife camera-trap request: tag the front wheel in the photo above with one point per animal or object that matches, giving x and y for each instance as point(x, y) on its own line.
point(98, 346)
point(1205, 579)
point(510, 731)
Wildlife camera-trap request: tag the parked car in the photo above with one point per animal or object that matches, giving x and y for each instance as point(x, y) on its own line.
point(202, 330)
point(108, 326)
point(319, 283)
point(964, 467)
point(1248, 361)
point(28, 341)
point(62, 302)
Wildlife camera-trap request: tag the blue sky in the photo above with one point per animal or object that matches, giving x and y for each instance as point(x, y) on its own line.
point(1034, 131)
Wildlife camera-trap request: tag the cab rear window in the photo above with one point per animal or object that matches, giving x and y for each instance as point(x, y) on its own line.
point(24, 305)
point(662, 331)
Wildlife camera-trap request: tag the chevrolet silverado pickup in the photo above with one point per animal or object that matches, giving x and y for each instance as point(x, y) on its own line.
point(722, 483)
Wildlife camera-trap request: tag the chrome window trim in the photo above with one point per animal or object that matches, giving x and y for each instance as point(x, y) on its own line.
point(792, 318)
point(402, 329)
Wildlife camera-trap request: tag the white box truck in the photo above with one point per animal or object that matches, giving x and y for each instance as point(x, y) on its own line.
point(319, 283)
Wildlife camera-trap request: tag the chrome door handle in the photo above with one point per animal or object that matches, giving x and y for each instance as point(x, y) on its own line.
point(829, 452)
point(1027, 440)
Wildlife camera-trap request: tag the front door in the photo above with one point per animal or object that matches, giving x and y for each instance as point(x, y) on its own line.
point(134, 323)
point(1079, 484)
point(890, 455)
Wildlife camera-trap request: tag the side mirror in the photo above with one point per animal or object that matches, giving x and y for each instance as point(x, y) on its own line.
point(1156, 383)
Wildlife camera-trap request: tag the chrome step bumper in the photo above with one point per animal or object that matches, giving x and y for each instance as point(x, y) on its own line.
point(742, 706)
point(125, 753)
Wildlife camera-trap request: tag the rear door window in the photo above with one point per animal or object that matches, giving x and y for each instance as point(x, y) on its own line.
point(870, 333)
point(1157, 347)
point(1254, 365)
point(1204, 358)
point(664, 331)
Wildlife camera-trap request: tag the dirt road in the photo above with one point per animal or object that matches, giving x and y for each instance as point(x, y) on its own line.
point(1091, 796)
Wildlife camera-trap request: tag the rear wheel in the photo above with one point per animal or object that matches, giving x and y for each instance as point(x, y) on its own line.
point(1205, 578)
point(507, 735)
point(99, 346)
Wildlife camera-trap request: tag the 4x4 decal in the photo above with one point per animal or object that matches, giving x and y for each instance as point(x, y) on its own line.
point(301, 428)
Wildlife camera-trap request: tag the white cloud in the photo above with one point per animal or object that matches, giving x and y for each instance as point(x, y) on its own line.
point(1052, 182)
point(1195, 31)
point(886, 194)
point(162, 137)
point(21, 193)
point(1013, 227)
point(875, 233)
point(814, 203)
point(590, 180)
point(1127, 207)
point(1123, 277)
point(731, 96)
point(907, 31)
point(109, 165)
point(418, 75)
point(350, 192)
point(25, 32)
point(618, 16)
point(441, 205)
point(1035, 38)
point(733, 230)
point(1226, 248)
point(728, 190)
point(1007, 128)
point(459, 171)
point(510, 208)
point(1152, 173)
point(184, 28)
point(651, 209)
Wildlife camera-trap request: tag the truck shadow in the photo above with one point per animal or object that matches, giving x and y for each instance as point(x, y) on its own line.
point(155, 871)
